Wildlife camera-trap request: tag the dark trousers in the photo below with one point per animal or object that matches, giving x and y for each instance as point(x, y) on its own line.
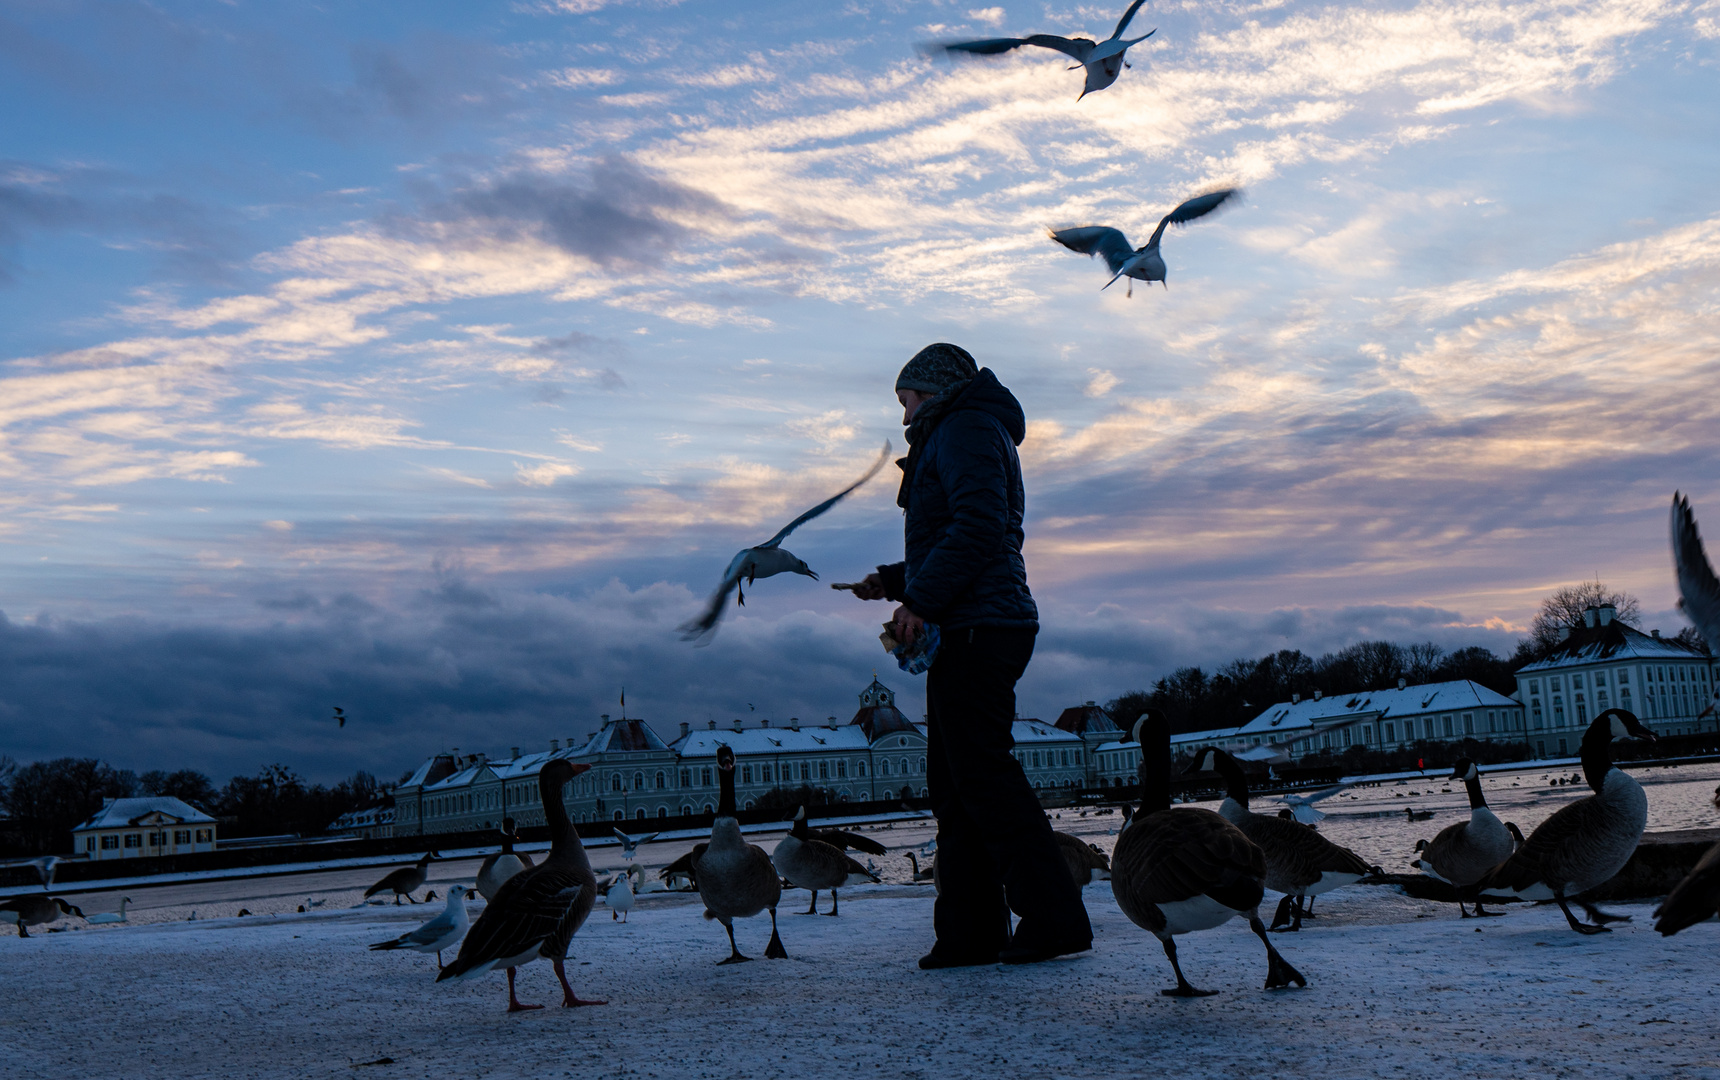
point(995, 850)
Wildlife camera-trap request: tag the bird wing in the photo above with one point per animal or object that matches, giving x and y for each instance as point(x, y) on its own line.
point(1314, 797)
point(1186, 852)
point(707, 621)
point(1123, 23)
point(1199, 206)
point(1694, 899)
point(527, 910)
point(1698, 591)
point(1076, 48)
point(1555, 842)
point(828, 503)
point(848, 841)
point(685, 865)
point(1097, 240)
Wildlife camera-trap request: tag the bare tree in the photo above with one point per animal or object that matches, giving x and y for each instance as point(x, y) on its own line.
point(1566, 606)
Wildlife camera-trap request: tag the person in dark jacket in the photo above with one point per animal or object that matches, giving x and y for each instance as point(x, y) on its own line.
point(963, 571)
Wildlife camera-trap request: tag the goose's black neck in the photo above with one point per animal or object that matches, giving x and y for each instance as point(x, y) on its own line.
point(1235, 783)
point(801, 830)
point(1155, 767)
point(726, 793)
point(1597, 751)
point(1476, 799)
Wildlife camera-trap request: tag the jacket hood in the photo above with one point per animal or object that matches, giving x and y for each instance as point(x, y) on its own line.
point(988, 395)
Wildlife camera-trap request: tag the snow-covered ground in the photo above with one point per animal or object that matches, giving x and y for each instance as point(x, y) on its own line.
point(1397, 988)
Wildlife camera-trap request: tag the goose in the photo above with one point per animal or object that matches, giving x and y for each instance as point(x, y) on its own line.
point(437, 934)
point(404, 881)
point(1516, 833)
point(735, 879)
point(927, 873)
point(1463, 852)
point(620, 895)
point(536, 912)
point(1179, 870)
point(502, 865)
point(808, 862)
point(1585, 842)
point(846, 841)
point(630, 844)
point(32, 910)
point(1694, 899)
point(1418, 815)
point(1087, 863)
point(103, 918)
point(1300, 863)
point(678, 875)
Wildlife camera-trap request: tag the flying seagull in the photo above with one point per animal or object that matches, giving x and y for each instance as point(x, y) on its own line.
point(1145, 263)
point(630, 844)
point(340, 714)
point(767, 560)
point(1698, 588)
point(1301, 807)
point(1102, 59)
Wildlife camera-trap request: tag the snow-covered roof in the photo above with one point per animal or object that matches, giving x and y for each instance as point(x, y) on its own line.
point(624, 735)
point(466, 777)
point(1086, 718)
point(1038, 731)
point(1209, 735)
point(846, 738)
point(1408, 701)
point(1610, 644)
point(119, 813)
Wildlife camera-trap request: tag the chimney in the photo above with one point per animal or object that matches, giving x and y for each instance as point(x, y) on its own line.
point(1589, 617)
point(712, 724)
point(516, 751)
point(764, 723)
point(737, 723)
point(1295, 699)
point(456, 750)
point(1655, 634)
point(1605, 614)
point(606, 718)
point(554, 745)
point(571, 743)
point(831, 723)
point(1402, 683)
point(1317, 694)
point(1090, 704)
point(794, 721)
point(684, 730)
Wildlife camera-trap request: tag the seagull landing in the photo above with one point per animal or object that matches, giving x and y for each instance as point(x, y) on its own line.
point(1301, 807)
point(1144, 263)
point(1102, 59)
point(767, 560)
point(630, 844)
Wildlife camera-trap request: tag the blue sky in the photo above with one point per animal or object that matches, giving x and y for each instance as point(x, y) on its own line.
point(432, 359)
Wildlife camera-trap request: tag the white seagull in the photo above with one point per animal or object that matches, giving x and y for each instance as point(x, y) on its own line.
point(1102, 59)
point(630, 844)
point(1302, 806)
point(1698, 589)
point(1143, 263)
point(439, 933)
point(767, 560)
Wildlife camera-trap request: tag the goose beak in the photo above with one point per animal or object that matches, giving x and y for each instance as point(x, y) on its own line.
point(581, 766)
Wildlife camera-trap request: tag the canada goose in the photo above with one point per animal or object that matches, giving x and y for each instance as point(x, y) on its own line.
point(1463, 852)
point(437, 934)
point(1516, 833)
point(922, 875)
point(846, 841)
point(32, 910)
point(682, 868)
point(630, 844)
point(810, 863)
point(1418, 815)
point(536, 912)
point(103, 918)
point(1087, 863)
point(1178, 870)
point(1694, 899)
point(404, 881)
point(1300, 863)
point(502, 865)
point(735, 879)
point(619, 898)
point(1585, 842)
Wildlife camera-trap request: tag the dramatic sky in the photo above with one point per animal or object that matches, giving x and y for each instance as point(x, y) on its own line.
point(432, 359)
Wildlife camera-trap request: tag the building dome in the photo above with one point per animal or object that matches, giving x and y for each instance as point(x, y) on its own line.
point(878, 715)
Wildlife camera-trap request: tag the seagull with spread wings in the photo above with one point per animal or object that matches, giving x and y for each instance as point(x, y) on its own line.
point(1102, 59)
point(767, 560)
point(1143, 263)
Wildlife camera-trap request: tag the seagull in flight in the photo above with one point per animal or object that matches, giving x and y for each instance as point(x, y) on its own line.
point(1698, 589)
point(630, 844)
point(767, 560)
point(1302, 806)
point(1102, 59)
point(340, 714)
point(1143, 263)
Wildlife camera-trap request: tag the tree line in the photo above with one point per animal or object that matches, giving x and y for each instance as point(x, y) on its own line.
point(44, 800)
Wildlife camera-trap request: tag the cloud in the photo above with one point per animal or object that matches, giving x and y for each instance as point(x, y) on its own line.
point(545, 474)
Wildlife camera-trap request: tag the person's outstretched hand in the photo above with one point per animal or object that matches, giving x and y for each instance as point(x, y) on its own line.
point(871, 587)
point(907, 625)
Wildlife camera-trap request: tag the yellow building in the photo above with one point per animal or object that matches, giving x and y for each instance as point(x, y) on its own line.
point(144, 828)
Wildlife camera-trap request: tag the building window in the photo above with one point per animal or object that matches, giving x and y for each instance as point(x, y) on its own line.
point(1577, 681)
point(619, 816)
point(1600, 678)
point(1537, 716)
point(1389, 732)
point(1469, 723)
point(110, 843)
point(860, 768)
point(133, 840)
point(764, 773)
point(662, 812)
point(806, 770)
point(1445, 723)
point(662, 782)
point(687, 779)
point(904, 766)
point(1534, 686)
point(686, 811)
point(614, 781)
point(1562, 750)
point(746, 774)
point(182, 836)
point(1540, 748)
point(824, 770)
point(884, 767)
point(705, 777)
point(639, 815)
point(922, 770)
point(841, 770)
point(638, 781)
point(1624, 676)
point(1367, 733)
point(1492, 722)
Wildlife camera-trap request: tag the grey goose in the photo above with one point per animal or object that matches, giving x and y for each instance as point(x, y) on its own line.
point(501, 865)
point(536, 912)
point(807, 862)
point(1460, 854)
point(1585, 842)
point(404, 881)
point(1179, 870)
point(735, 879)
point(1300, 863)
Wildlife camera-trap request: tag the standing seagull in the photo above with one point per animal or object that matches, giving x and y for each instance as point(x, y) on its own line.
point(1102, 59)
point(1144, 263)
point(767, 560)
point(439, 933)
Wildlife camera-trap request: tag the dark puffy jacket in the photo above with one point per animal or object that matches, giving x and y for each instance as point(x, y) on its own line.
point(962, 537)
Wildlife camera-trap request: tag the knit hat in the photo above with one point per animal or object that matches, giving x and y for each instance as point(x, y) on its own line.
point(936, 368)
